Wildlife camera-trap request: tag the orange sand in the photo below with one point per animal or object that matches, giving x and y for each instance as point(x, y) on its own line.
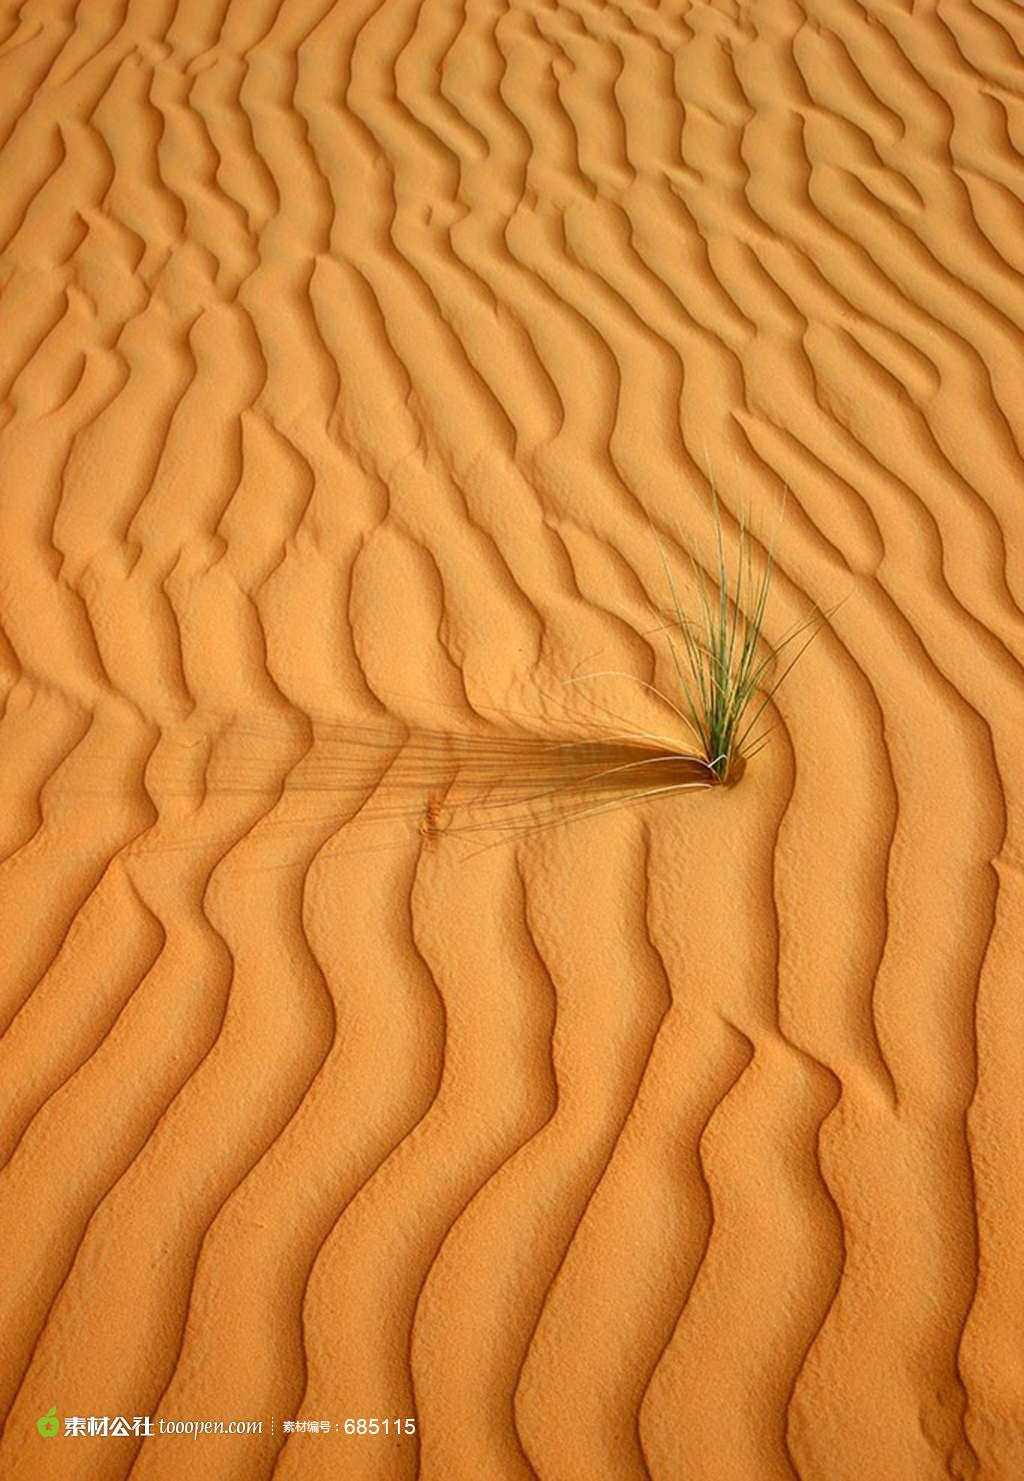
point(344, 351)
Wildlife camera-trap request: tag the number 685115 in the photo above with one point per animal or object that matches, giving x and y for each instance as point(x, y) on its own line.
point(401, 1425)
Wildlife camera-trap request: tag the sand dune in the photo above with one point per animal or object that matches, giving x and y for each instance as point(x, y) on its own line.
point(363, 1052)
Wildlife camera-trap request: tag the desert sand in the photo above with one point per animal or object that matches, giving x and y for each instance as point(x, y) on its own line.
point(356, 1061)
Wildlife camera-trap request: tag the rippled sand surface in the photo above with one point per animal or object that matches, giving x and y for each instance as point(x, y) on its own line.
point(361, 1054)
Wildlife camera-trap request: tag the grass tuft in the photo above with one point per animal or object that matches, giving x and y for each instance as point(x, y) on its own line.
point(721, 659)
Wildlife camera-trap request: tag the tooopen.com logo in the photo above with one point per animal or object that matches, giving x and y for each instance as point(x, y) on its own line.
point(48, 1424)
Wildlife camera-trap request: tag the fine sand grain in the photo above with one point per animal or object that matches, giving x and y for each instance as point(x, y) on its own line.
point(368, 1046)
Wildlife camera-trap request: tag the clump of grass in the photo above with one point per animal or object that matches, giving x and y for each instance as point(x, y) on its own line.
point(721, 659)
point(727, 672)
